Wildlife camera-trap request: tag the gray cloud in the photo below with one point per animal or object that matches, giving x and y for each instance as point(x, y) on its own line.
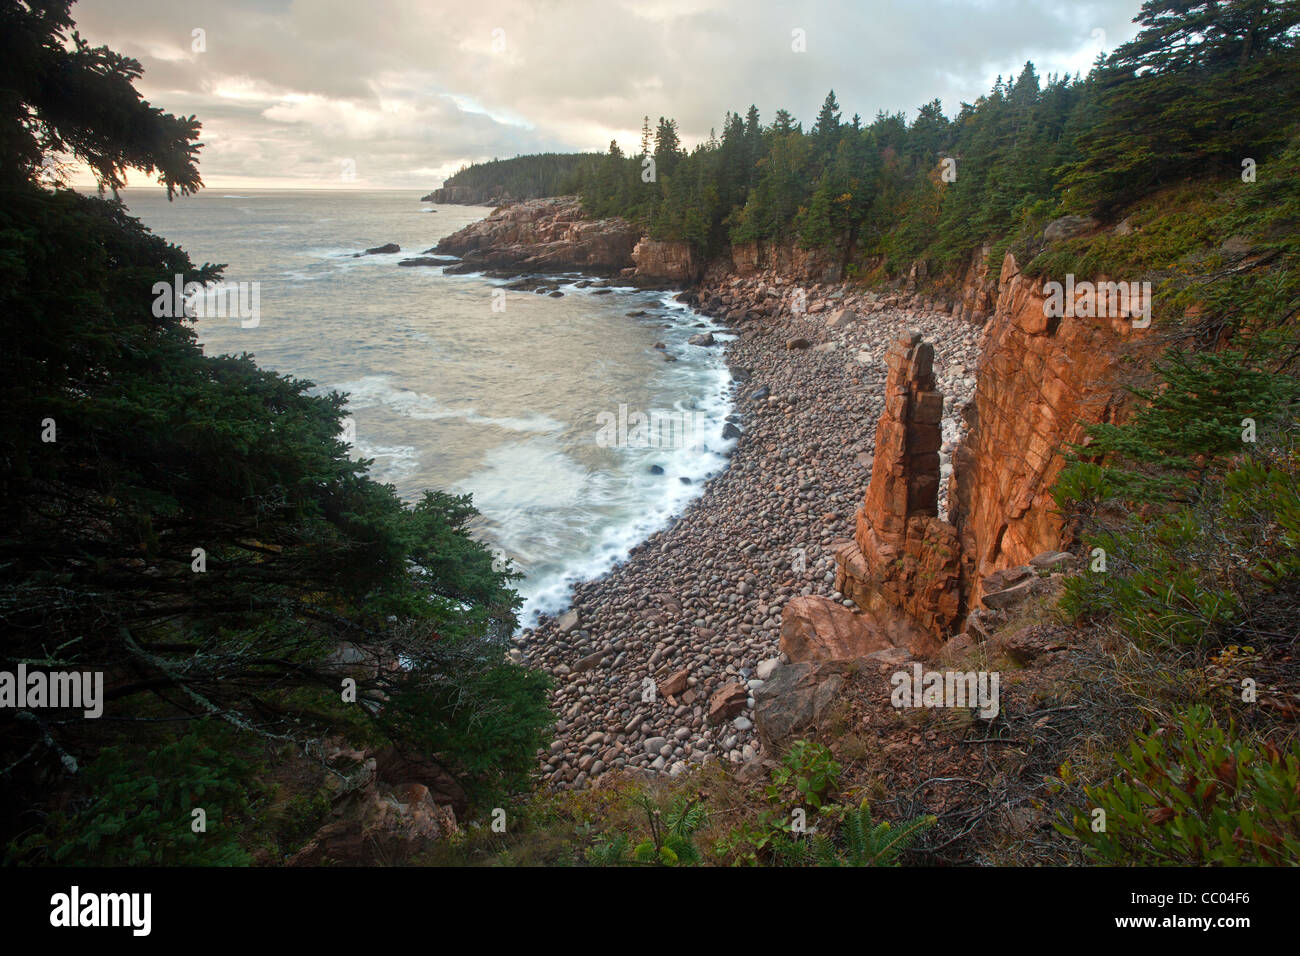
point(407, 92)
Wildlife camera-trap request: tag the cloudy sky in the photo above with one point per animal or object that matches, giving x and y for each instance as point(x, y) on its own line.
point(402, 93)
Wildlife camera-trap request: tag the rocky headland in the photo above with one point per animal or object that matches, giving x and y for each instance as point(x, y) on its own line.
point(541, 235)
point(554, 235)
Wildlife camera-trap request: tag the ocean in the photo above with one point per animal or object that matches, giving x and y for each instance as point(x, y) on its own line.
point(527, 402)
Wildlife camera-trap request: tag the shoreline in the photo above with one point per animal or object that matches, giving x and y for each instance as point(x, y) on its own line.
point(697, 604)
point(684, 468)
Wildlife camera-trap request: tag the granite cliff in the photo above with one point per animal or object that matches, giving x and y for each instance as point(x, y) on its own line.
point(542, 235)
point(1041, 381)
point(553, 235)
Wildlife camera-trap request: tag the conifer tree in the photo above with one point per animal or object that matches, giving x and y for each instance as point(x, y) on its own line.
point(1203, 83)
point(668, 149)
point(194, 527)
point(826, 131)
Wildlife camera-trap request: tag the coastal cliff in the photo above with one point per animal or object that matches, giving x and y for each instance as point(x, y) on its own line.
point(542, 235)
point(1041, 382)
point(554, 235)
point(887, 513)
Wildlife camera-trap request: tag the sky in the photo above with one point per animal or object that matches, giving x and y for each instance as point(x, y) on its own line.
point(378, 94)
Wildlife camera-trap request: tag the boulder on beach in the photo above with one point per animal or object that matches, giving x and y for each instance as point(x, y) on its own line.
point(674, 683)
point(727, 702)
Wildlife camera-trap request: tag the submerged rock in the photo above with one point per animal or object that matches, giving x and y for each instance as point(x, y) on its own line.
point(428, 261)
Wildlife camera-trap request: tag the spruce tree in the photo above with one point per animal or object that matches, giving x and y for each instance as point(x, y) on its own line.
point(1186, 93)
point(193, 527)
point(826, 131)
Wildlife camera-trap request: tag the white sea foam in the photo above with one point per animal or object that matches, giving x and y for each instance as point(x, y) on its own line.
point(616, 510)
point(378, 390)
point(561, 511)
point(391, 462)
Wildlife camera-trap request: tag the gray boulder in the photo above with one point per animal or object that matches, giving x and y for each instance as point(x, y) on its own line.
point(1067, 227)
point(795, 698)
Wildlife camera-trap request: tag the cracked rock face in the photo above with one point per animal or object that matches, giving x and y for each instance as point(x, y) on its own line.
point(903, 557)
point(666, 260)
point(797, 697)
point(1040, 383)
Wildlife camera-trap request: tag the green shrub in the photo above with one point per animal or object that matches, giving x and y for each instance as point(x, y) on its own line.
point(1198, 516)
point(1192, 794)
point(139, 812)
point(809, 771)
point(807, 775)
point(770, 837)
point(1159, 585)
point(857, 840)
point(867, 843)
point(1182, 431)
point(670, 840)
